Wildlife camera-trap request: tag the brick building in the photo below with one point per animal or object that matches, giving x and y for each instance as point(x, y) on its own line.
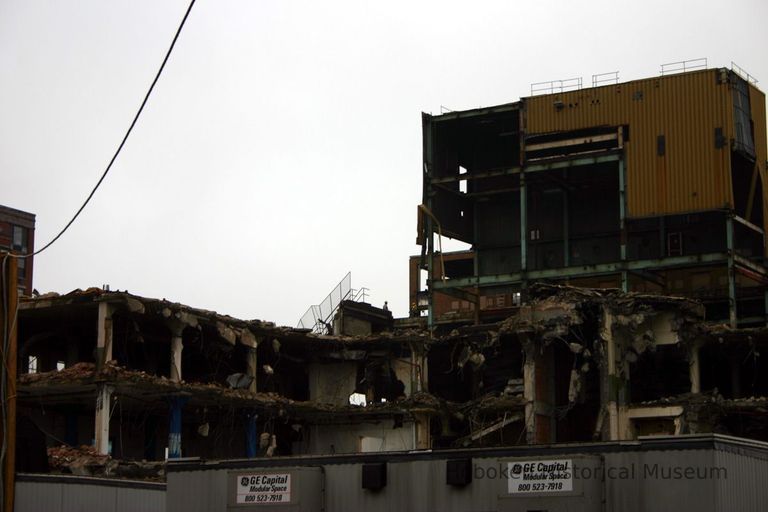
point(17, 234)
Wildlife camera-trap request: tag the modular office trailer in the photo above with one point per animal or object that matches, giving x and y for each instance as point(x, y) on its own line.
point(705, 473)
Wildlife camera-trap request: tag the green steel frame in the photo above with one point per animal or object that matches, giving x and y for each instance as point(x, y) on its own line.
point(622, 268)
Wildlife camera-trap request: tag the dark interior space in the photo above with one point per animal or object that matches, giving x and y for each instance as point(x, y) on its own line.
point(747, 188)
point(735, 370)
point(207, 359)
point(582, 202)
point(659, 373)
point(575, 420)
point(56, 336)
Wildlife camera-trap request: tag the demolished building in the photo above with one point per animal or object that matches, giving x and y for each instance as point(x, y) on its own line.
point(614, 292)
point(136, 376)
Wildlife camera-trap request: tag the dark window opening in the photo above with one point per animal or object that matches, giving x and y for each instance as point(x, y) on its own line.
point(659, 373)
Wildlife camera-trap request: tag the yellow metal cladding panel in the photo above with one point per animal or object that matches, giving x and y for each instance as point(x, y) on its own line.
point(686, 109)
point(757, 104)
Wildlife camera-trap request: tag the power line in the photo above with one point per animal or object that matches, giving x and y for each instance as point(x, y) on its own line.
point(122, 143)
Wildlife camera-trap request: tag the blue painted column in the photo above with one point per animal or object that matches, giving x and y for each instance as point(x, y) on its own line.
point(251, 439)
point(174, 427)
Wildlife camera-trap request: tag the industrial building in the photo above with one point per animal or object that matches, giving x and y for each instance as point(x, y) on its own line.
point(653, 185)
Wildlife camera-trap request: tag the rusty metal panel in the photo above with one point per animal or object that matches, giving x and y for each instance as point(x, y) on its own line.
point(692, 173)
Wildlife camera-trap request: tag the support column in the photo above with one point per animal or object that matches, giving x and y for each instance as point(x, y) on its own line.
point(529, 387)
point(422, 373)
point(252, 368)
point(251, 436)
point(418, 364)
point(566, 224)
point(732, 313)
point(8, 333)
point(104, 335)
point(421, 426)
point(623, 221)
point(430, 268)
point(694, 370)
point(177, 328)
point(614, 386)
point(101, 429)
point(174, 426)
point(251, 343)
point(523, 223)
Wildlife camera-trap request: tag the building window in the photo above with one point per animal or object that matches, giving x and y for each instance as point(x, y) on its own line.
point(19, 239)
point(32, 364)
point(21, 270)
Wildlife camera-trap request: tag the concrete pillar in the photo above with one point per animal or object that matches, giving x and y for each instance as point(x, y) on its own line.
point(251, 343)
point(529, 390)
point(418, 371)
point(694, 370)
point(423, 441)
point(101, 429)
point(104, 335)
point(177, 328)
point(252, 368)
point(614, 381)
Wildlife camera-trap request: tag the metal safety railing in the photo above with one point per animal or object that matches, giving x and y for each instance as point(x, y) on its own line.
point(553, 86)
point(743, 73)
point(318, 316)
point(683, 66)
point(605, 78)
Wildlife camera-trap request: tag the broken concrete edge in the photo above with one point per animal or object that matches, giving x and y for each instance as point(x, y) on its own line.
point(85, 461)
point(124, 381)
point(548, 305)
point(230, 330)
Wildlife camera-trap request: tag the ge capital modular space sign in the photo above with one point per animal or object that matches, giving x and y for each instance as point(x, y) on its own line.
point(540, 476)
point(263, 488)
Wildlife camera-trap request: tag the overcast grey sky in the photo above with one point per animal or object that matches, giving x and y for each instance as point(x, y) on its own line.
point(282, 146)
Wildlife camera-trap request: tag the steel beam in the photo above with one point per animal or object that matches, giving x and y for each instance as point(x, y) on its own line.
point(475, 175)
point(572, 162)
point(537, 167)
point(623, 223)
point(745, 222)
point(566, 224)
point(585, 271)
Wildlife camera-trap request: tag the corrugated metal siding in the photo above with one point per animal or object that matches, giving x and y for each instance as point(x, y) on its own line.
point(651, 475)
point(744, 489)
point(203, 491)
point(654, 488)
point(685, 108)
point(67, 497)
point(757, 104)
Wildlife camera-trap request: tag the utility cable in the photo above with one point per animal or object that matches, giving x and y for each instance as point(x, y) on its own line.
point(122, 143)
